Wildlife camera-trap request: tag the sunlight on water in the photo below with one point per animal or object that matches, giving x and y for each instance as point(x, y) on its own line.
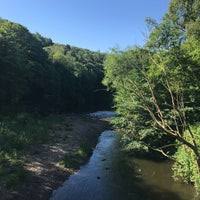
point(103, 114)
point(105, 177)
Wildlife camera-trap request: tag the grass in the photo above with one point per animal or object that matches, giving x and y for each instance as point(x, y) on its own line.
point(11, 172)
point(75, 159)
point(17, 133)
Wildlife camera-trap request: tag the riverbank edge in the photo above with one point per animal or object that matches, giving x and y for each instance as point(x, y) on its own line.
point(44, 163)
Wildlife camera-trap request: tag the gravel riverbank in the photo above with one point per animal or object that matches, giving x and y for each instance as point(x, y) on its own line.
point(44, 166)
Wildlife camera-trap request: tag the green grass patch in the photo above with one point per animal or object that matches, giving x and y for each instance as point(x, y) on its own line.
point(75, 159)
point(12, 172)
point(17, 134)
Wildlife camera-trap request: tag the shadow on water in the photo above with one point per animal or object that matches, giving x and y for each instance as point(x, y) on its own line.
point(109, 176)
point(137, 185)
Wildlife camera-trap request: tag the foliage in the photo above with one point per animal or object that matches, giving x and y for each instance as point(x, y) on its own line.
point(44, 41)
point(39, 76)
point(186, 168)
point(125, 69)
point(83, 88)
point(75, 159)
point(17, 133)
point(11, 171)
point(21, 130)
point(156, 89)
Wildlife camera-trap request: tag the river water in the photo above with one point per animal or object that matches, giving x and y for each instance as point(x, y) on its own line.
point(107, 177)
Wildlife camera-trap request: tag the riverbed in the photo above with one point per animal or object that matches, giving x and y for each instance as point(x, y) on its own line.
point(107, 177)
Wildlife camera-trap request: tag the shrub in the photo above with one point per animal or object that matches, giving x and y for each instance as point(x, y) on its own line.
point(186, 168)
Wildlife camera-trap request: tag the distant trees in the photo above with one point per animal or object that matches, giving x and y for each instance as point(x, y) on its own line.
point(43, 41)
point(37, 75)
point(22, 59)
point(85, 72)
point(157, 89)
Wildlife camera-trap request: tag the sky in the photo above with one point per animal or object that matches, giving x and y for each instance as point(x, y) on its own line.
point(93, 24)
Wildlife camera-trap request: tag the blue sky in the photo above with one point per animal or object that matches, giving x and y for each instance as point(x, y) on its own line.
point(92, 24)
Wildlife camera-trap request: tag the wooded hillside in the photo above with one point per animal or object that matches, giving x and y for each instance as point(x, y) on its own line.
point(37, 75)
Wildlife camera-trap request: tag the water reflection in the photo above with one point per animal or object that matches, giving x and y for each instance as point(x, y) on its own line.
point(107, 177)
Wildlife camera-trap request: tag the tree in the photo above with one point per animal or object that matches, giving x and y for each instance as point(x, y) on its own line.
point(157, 88)
point(39, 76)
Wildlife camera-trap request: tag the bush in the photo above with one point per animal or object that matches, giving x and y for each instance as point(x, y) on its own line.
point(78, 157)
point(186, 168)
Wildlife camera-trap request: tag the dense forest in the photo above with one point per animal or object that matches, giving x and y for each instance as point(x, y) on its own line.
point(37, 75)
point(157, 90)
point(39, 80)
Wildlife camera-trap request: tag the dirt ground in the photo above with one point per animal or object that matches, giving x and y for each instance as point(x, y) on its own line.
point(45, 173)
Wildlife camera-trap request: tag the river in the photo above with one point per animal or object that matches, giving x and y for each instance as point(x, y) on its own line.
point(107, 177)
